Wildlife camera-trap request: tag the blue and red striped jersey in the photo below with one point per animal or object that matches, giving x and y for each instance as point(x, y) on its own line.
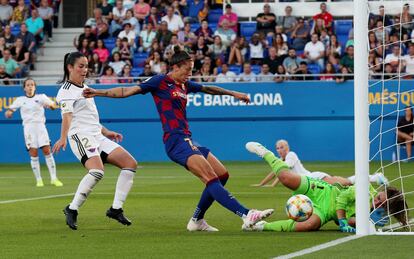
point(171, 101)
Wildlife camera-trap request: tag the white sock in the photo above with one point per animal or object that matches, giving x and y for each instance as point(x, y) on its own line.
point(373, 178)
point(50, 162)
point(352, 179)
point(85, 187)
point(123, 186)
point(34, 162)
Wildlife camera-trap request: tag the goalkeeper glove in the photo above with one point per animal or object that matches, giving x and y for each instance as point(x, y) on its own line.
point(344, 227)
point(379, 218)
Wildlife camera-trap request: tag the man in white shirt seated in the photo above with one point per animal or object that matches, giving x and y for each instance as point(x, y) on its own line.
point(175, 23)
point(409, 61)
point(247, 75)
point(226, 76)
point(265, 75)
point(394, 59)
point(129, 34)
point(315, 51)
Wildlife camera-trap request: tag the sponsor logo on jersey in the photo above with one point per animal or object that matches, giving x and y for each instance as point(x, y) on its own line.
point(179, 94)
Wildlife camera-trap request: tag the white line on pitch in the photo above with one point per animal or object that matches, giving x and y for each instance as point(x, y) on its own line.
point(37, 198)
point(318, 247)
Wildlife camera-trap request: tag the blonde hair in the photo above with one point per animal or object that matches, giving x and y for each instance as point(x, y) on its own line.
point(282, 142)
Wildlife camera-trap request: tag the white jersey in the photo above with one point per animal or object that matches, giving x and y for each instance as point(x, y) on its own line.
point(85, 117)
point(31, 108)
point(292, 160)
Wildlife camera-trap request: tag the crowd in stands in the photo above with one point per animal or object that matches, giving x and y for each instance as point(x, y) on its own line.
point(126, 39)
point(25, 26)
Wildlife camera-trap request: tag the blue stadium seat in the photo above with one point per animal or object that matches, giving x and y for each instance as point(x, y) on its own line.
point(342, 27)
point(213, 26)
point(214, 15)
point(247, 29)
point(256, 69)
point(194, 26)
point(109, 43)
point(342, 38)
point(139, 59)
point(314, 69)
point(136, 71)
point(236, 69)
point(15, 29)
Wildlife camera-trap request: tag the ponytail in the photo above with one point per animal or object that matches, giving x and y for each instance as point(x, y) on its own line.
point(69, 59)
point(179, 56)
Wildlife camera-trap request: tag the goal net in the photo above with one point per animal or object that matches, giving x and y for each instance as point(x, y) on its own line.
point(390, 97)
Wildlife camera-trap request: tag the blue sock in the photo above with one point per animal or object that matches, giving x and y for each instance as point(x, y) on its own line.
point(206, 199)
point(223, 197)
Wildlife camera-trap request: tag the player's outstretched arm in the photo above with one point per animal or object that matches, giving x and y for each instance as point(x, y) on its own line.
point(8, 114)
point(112, 135)
point(216, 90)
point(117, 92)
point(267, 179)
point(62, 142)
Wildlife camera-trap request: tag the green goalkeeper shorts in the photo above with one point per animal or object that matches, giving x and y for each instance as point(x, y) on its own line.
point(320, 193)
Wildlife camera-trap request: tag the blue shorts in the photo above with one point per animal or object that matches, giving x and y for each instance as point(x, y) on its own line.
point(180, 147)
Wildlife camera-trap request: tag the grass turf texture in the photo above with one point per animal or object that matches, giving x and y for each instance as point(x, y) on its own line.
point(160, 204)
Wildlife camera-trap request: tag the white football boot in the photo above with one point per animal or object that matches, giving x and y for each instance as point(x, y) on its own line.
point(200, 225)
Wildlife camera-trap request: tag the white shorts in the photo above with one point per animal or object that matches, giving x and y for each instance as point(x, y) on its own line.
point(35, 135)
point(86, 146)
point(318, 175)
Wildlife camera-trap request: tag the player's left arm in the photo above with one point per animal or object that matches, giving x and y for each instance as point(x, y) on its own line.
point(216, 90)
point(112, 135)
point(345, 197)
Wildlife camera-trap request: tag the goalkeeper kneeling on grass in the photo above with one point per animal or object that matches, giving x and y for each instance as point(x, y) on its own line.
point(330, 202)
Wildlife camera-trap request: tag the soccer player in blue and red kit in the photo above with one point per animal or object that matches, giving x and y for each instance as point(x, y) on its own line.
point(170, 95)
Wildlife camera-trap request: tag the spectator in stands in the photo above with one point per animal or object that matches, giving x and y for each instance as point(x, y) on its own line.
point(109, 76)
point(164, 68)
point(2, 46)
point(328, 73)
point(4, 76)
point(186, 37)
point(394, 59)
point(155, 46)
point(194, 8)
point(8, 36)
point(95, 66)
point(175, 23)
point(375, 64)
point(325, 38)
point(154, 18)
point(180, 8)
point(303, 72)
point(20, 13)
point(348, 59)
point(21, 55)
point(300, 35)
point(374, 44)
point(84, 48)
point(147, 71)
point(287, 21)
point(129, 34)
point(405, 130)
point(266, 21)
point(128, 4)
point(126, 77)
point(118, 45)
point(11, 66)
point(106, 9)
point(98, 24)
point(318, 26)
point(265, 75)
point(141, 11)
point(247, 75)
point(129, 18)
point(118, 16)
point(217, 49)
point(279, 30)
point(6, 12)
point(146, 38)
point(280, 46)
point(334, 46)
point(117, 64)
point(164, 35)
point(226, 34)
point(272, 60)
point(236, 55)
point(87, 34)
point(280, 76)
point(386, 19)
point(406, 18)
point(291, 62)
point(398, 29)
point(46, 13)
point(28, 38)
point(204, 74)
point(381, 34)
point(155, 61)
point(344, 76)
point(408, 61)
point(326, 17)
point(231, 17)
point(200, 50)
point(314, 51)
point(35, 26)
point(102, 51)
point(257, 47)
point(206, 32)
point(226, 76)
point(126, 51)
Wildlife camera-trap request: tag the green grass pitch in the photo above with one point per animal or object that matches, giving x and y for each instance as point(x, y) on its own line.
point(160, 204)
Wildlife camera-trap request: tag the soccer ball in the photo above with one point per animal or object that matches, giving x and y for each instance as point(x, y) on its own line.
point(299, 207)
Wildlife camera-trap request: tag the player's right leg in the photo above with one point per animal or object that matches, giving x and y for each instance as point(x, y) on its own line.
point(35, 164)
point(311, 224)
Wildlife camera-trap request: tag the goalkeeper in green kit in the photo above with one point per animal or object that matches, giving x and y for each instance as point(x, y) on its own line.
point(330, 202)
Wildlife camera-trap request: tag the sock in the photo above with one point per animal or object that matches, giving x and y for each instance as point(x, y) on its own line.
point(352, 179)
point(123, 186)
point(85, 187)
point(280, 226)
point(275, 163)
point(223, 197)
point(373, 178)
point(34, 162)
point(50, 162)
point(206, 199)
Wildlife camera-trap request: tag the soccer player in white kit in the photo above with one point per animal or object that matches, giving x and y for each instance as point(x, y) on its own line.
point(296, 166)
point(90, 142)
point(35, 133)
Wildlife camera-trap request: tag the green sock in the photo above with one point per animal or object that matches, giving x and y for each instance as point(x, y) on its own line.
point(275, 163)
point(280, 226)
